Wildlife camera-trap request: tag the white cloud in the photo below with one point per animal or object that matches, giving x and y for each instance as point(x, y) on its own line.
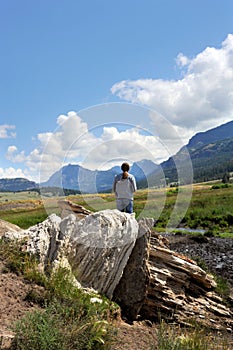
point(182, 60)
point(200, 100)
point(66, 144)
point(14, 156)
point(11, 150)
point(115, 146)
point(6, 131)
point(73, 142)
point(11, 173)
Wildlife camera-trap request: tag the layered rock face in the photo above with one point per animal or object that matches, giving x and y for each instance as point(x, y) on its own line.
point(68, 207)
point(180, 289)
point(117, 256)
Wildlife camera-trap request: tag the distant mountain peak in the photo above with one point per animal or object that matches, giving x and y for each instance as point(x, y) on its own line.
point(17, 184)
point(218, 133)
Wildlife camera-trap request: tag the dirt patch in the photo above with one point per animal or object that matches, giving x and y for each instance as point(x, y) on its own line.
point(139, 335)
point(13, 299)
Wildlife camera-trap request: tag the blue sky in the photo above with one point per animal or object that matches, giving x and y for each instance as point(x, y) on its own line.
point(63, 63)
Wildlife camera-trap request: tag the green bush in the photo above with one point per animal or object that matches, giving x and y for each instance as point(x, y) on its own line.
point(38, 331)
point(59, 326)
point(70, 319)
point(218, 186)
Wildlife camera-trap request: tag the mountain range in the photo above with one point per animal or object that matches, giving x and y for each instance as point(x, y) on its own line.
point(76, 177)
point(211, 154)
point(17, 184)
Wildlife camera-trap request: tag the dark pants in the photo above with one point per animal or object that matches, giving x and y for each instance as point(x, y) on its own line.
point(129, 208)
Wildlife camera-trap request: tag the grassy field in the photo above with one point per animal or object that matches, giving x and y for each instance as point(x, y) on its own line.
point(26, 208)
point(209, 207)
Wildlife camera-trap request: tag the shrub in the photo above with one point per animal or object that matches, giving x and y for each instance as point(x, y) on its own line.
point(38, 331)
point(223, 287)
point(71, 319)
point(20, 262)
point(63, 326)
point(173, 337)
point(218, 186)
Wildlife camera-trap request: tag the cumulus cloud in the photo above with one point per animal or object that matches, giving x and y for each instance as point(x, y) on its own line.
point(114, 146)
point(201, 99)
point(73, 142)
point(6, 131)
point(11, 172)
point(15, 156)
point(65, 144)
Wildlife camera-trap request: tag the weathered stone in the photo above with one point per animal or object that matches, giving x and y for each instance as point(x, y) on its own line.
point(131, 291)
point(96, 247)
point(179, 289)
point(101, 246)
point(44, 240)
point(7, 226)
point(68, 207)
point(216, 253)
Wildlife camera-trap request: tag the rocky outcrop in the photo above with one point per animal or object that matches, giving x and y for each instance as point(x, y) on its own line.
point(131, 291)
point(180, 289)
point(68, 207)
point(114, 254)
point(7, 227)
point(101, 245)
point(45, 240)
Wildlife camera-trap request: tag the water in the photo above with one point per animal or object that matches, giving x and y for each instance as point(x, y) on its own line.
point(188, 230)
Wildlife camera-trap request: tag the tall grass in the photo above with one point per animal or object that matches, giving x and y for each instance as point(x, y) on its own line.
point(174, 337)
point(27, 217)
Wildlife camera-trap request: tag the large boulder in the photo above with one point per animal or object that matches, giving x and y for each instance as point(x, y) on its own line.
point(96, 248)
point(101, 245)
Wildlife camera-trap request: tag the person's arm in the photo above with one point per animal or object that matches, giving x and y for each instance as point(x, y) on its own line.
point(133, 183)
point(114, 184)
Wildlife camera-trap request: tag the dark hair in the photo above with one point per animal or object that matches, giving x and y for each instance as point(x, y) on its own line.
point(125, 167)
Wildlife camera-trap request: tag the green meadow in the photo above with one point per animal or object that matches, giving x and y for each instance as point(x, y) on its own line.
point(207, 206)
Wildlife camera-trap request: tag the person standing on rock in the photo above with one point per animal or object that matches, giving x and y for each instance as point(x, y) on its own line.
point(124, 186)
